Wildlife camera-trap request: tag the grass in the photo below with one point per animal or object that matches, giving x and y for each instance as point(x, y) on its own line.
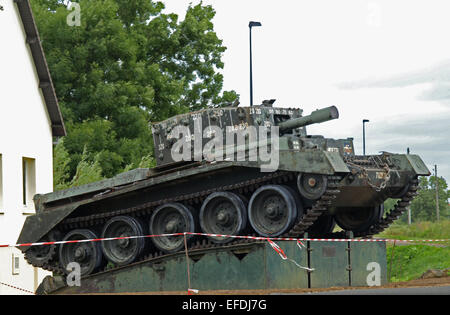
point(411, 261)
point(418, 231)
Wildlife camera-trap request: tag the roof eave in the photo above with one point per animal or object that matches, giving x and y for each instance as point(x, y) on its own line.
point(45, 80)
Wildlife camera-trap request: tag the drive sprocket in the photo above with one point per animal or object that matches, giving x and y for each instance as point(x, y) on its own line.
point(40, 256)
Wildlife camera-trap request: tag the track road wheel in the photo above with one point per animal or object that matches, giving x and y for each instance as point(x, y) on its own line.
point(223, 213)
point(322, 226)
point(169, 219)
point(312, 186)
point(123, 251)
point(87, 254)
point(399, 192)
point(358, 219)
point(272, 210)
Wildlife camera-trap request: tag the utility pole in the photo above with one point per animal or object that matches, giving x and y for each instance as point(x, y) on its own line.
point(409, 207)
point(437, 192)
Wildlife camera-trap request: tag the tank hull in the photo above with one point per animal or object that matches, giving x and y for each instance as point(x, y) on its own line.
point(113, 195)
point(355, 189)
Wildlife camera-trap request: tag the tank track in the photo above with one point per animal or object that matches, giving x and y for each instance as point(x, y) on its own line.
point(318, 208)
point(400, 207)
point(383, 162)
point(146, 208)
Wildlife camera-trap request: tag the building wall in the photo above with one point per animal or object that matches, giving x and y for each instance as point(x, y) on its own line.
point(25, 132)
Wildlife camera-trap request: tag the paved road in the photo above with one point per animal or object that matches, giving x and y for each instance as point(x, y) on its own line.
point(443, 290)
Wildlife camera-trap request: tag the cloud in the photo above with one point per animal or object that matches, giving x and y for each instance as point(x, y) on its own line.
point(436, 126)
point(426, 133)
point(438, 76)
point(438, 92)
point(428, 137)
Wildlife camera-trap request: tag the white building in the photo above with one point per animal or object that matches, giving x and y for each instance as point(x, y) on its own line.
point(29, 119)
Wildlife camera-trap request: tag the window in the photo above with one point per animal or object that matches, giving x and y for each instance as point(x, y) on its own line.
point(15, 264)
point(29, 182)
point(1, 185)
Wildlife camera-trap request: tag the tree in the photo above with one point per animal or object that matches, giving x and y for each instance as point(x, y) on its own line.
point(423, 207)
point(86, 171)
point(61, 161)
point(128, 64)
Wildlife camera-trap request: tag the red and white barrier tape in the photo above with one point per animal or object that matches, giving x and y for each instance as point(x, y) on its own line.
point(192, 291)
point(283, 255)
point(269, 239)
point(277, 249)
point(225, 236)
point(17, 288)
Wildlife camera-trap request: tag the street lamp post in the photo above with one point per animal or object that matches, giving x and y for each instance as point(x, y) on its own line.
point(364, 135)
point(409, 207)
point(250, 25)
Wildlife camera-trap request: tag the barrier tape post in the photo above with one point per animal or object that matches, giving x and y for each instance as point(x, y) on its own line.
point(189, 291)
point(187, 263)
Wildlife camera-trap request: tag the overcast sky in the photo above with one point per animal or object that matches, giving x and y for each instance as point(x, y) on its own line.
point(386, 61)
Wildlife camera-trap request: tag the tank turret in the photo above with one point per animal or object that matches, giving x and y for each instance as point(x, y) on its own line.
point(198, 127)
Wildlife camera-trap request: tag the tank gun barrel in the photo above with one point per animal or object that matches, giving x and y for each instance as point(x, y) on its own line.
point(316, 117)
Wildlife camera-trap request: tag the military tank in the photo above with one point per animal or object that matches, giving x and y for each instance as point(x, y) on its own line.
point(223, 171)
